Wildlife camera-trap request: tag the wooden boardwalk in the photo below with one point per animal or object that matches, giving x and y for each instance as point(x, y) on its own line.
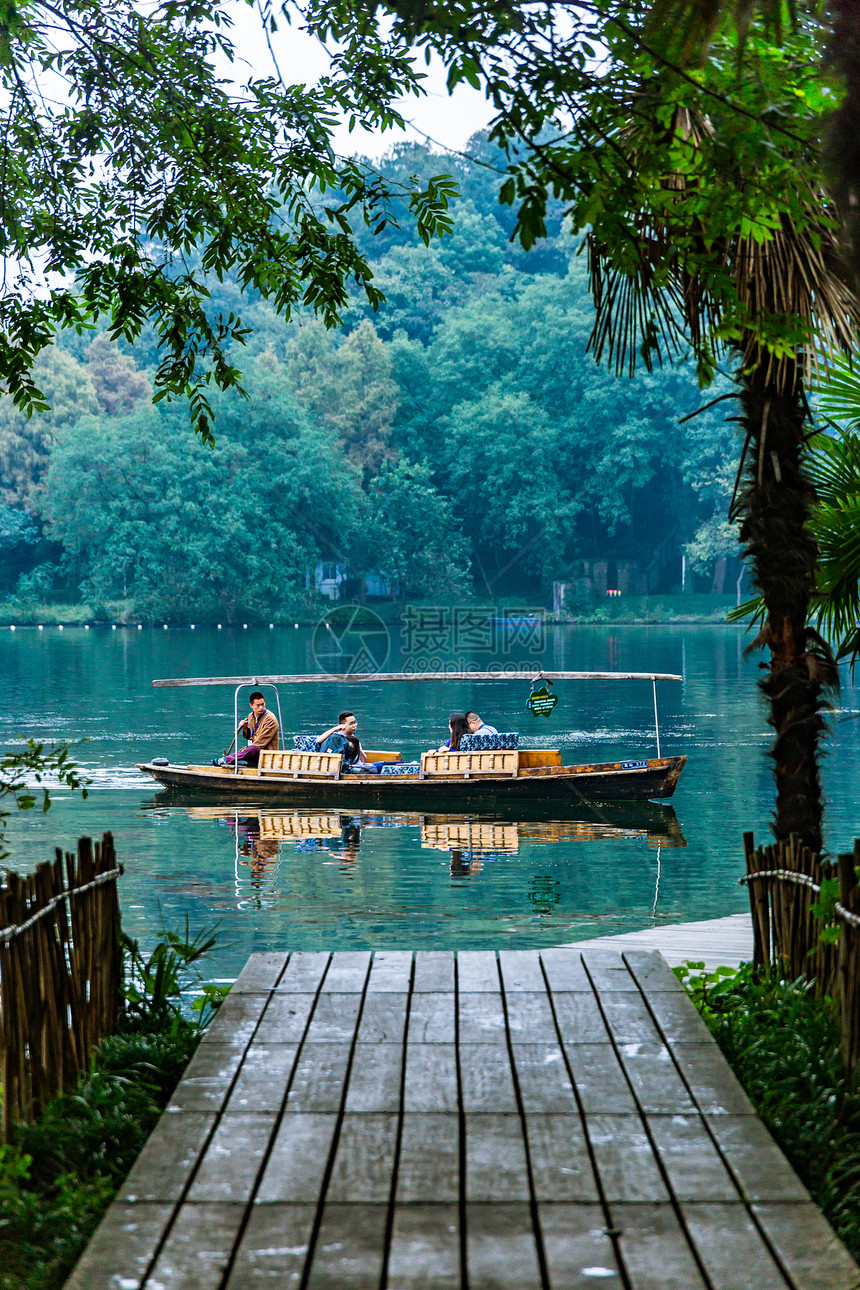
point(556, 1119)
point(716, 942)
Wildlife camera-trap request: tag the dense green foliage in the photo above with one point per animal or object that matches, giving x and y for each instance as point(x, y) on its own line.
point(134, 166)
point(784, 1047)
point(459, 438)
point(58, 1176)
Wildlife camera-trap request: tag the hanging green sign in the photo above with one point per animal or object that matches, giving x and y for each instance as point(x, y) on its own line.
point(540, 702)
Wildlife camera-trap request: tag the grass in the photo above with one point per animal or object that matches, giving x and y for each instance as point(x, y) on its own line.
point(784, 1047)
point(58, 1175)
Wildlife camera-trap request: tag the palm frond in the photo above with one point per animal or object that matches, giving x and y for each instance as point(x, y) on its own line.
point(839, 396)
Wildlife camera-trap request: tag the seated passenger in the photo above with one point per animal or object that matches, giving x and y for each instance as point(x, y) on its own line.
point(477, 726)
point(261, 730)
point(342, 739)
point(457, 727)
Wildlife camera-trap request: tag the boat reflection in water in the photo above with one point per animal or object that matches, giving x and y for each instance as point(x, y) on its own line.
point(264, 836)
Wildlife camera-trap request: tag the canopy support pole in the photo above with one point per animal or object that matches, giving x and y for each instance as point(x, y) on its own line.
point(656, 718)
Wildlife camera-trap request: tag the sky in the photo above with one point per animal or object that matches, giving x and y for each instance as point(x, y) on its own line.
point(449, 120)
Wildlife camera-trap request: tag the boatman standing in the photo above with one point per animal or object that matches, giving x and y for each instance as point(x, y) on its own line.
point(261, 730)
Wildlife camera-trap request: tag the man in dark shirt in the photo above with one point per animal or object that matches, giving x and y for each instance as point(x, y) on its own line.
point(342, 739)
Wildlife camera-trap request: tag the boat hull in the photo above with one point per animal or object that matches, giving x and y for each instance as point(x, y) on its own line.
point(600, 782)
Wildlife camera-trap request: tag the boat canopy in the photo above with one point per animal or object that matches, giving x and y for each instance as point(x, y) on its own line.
point(521, 673)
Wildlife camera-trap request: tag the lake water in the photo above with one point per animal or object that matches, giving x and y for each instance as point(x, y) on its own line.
point(278, 879)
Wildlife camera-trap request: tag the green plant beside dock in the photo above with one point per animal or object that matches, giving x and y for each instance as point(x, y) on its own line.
point(59, 1174)
point(785, 1048)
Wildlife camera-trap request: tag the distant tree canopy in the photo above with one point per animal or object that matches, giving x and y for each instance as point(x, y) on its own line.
point(464, 445)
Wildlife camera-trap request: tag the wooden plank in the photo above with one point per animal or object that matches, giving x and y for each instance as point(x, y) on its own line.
point(579, 1019)
point(434, 972)
point(431, 1078)
point(628, 1018)
point(731, 1248)
point(198, 1248)
point(285, 1019)
point(347, 972)
point(495, 1159)
point(477, 970)
point(432, 1018)
point(579, 1254)
point(262, 1081)
point(500, 1248)
point(335, 1018)
point(564, 970)
point(425, 1248)
point(481, 1018)
point(375, 1078)
point(230, 1164)
point(530, 1018)
point(599, 1079)
point(807, 1245)
point(261, 972)
point(383, 1018)
point(122, 1247)
point(391, 970)
point(294, 1170)
point(364, 1160)
point(715, 1088)
point(207, 1079)
point(304, 972)
point(165, 1164)
point(651, 971)
point(561, 1165)
point(654, 1248)
point(756, 1161)
point(236, 1020)
point(349, 1250)
point(695, 1169)
point(429, 1166)
point(485, 1078)
point(624, 1159)
point(319, 1079)
point(608, 972)
point(273, 1248)
point(543, 1079)
point(521, 970)
point(656, 1083)
point(678, 1018)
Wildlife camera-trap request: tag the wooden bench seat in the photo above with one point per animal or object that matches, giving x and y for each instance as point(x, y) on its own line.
point(469, 765)
point(304, 765)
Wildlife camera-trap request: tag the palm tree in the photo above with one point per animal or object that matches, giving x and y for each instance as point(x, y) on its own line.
point(793, 275)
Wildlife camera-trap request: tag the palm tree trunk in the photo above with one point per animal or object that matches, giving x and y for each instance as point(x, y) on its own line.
point(775, 504)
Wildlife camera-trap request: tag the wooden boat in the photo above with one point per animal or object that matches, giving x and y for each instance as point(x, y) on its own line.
point(535, 776)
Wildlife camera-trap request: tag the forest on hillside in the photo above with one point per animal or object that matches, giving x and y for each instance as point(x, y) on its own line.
point(458, 442)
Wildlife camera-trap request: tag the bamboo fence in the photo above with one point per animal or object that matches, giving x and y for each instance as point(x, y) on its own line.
point(806, 918)
point(60, 974)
